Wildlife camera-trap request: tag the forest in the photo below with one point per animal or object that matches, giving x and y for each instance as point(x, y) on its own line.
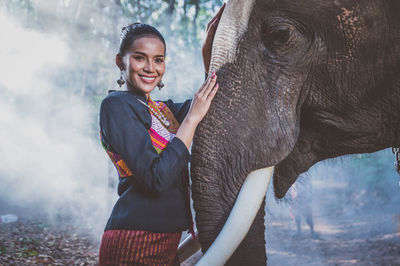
point(57, 186)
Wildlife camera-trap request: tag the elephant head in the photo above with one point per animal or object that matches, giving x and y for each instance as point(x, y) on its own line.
point(300, 82)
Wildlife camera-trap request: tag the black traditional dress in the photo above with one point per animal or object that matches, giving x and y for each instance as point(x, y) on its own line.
point(153, 209)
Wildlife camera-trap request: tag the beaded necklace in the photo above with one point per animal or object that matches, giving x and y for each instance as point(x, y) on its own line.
point(160, 116)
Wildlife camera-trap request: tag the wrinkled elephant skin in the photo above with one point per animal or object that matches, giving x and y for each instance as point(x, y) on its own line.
point(300, 82)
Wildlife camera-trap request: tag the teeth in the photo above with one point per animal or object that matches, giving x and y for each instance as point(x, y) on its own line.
point(146, 78)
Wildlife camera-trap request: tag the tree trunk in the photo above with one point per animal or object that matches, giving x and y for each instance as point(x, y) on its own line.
point(196, 14)
point(139, 10)
point(185, 23)
point(171, 7)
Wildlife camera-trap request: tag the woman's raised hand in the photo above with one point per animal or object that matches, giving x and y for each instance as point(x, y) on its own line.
point(202, 99)
point(198, 109)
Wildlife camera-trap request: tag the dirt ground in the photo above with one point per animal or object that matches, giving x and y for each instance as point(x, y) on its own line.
point(354, 231)
point(32, 242)
point(349, 233)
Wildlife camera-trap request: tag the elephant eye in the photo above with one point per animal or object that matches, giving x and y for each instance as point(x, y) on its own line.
point(274, 38)
point(279, 37)
point(282, 37)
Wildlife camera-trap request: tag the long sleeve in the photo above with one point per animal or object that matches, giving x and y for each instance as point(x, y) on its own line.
point(127, 135)
point(179, 110)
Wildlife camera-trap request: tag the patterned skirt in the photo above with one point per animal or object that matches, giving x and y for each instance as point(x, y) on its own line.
point(134, 247)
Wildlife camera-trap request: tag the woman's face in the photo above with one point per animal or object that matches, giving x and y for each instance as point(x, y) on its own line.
point(144, 64)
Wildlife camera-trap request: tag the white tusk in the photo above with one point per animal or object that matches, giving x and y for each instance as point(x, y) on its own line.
point(240, 219)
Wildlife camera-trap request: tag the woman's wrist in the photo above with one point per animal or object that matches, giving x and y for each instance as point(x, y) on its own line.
point(186, 130)
point(191, 121)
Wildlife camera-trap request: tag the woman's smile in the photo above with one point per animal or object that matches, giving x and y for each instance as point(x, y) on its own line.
point(148, 79)
point(144, 64)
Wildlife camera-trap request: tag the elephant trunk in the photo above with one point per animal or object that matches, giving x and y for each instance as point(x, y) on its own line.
point(245, 213)
point(226, 154)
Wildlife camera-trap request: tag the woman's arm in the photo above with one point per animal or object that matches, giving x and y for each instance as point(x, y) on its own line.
point(127, 135)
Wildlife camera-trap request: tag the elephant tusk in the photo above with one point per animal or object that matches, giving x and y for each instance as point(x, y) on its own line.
point(240, 219)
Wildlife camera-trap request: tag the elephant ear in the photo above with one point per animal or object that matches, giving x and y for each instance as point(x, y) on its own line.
point(289, 169)
point(282, 182)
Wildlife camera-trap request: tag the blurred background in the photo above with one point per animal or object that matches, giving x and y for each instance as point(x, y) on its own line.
point(56, 183)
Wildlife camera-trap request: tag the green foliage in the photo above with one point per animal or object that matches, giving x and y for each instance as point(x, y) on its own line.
point(27, 240)
point(3, 250)
point(97, 24)
point(27, 252)
point(181, 20)
point(14, 6)
point(91, 30)
point(378, 175)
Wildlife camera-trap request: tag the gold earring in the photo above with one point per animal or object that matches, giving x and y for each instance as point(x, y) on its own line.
point(121, 80)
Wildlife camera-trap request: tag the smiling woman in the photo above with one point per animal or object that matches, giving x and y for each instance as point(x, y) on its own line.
point(148, 143)
point(143, 63)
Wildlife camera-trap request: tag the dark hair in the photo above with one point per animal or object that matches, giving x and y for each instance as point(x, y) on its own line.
point(134, 31)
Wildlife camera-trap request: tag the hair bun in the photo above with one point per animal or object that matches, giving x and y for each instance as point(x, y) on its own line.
point(135, 30)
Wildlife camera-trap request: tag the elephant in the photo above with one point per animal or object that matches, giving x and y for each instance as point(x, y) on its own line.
point(300, 82)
